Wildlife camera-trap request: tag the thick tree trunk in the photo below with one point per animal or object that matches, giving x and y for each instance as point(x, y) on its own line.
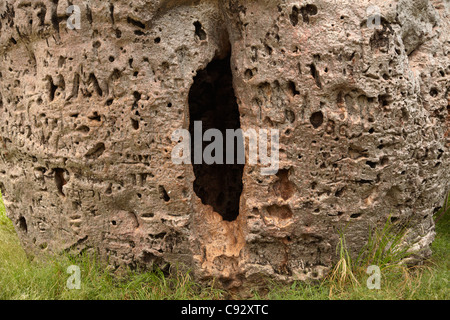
point(358, 91)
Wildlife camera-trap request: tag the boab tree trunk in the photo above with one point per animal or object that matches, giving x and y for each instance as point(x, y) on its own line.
point(91, 95)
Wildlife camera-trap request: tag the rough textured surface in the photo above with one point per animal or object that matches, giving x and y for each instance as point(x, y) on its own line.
point(86, 118)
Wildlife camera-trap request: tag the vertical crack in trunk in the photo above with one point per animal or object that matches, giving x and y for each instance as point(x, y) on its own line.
point(213, 102)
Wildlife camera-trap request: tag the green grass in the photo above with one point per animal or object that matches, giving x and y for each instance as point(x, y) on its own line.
point(22, 278)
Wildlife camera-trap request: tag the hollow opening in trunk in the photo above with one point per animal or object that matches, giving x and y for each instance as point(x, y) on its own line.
point(213, 102)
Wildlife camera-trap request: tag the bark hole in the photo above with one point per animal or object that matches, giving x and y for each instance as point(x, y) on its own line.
point(213, 102)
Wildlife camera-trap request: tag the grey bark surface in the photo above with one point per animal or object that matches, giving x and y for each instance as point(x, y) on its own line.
point(86, 118)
